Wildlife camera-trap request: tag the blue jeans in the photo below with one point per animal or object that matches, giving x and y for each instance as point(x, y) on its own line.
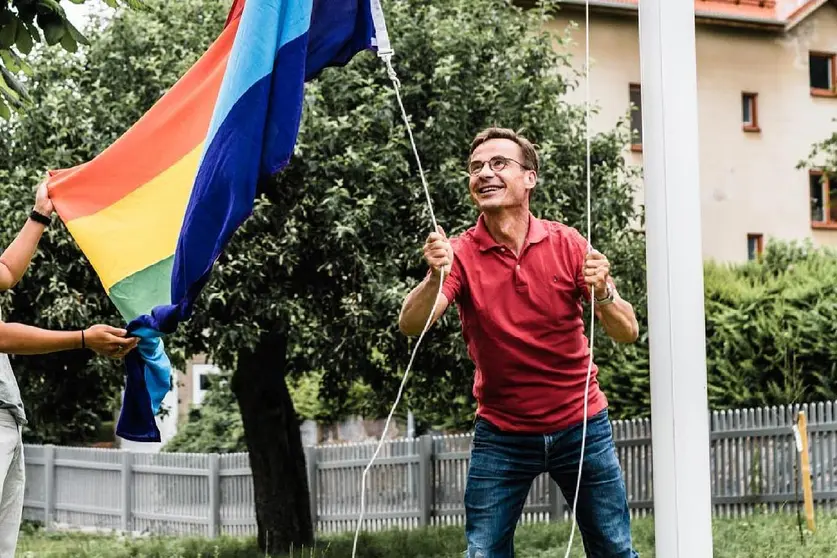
point(503, 466)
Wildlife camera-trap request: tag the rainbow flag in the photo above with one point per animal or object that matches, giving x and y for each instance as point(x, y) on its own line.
point(153, 211)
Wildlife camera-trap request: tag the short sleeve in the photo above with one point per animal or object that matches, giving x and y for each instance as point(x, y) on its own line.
point(578, 248)
point(452, 287)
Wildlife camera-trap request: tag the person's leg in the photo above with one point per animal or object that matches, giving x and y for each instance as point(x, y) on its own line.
point(12, 476)
point(500, 476)
point(602, 514)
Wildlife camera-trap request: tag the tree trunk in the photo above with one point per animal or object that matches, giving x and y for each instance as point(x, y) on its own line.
point(271, 429)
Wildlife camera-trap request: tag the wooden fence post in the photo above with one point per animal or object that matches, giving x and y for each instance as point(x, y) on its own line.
point(49, 485)
point(311, 468)
point(805, 471)
point(214, 495)
point(426, 484)
point(556, 502)
point(127, 504)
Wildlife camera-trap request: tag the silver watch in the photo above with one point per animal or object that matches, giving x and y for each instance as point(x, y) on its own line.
point(608, 299)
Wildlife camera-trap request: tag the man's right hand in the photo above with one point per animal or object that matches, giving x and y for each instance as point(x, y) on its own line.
point(109, 341)
point(438, 252)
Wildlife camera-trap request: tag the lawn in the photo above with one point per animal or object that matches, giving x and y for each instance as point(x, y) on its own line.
point(764, 536)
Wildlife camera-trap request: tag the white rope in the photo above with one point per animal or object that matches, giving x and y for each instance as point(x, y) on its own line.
point(387, 58)
point(592, 290)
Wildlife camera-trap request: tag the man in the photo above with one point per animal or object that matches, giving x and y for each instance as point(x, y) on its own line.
point(27, 340)
point(518, 283)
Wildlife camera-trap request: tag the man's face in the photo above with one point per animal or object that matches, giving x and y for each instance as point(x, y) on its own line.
point(494, 188)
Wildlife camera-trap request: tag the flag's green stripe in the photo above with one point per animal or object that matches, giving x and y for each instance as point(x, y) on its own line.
point(139, 293)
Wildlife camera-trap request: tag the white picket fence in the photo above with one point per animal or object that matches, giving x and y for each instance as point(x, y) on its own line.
point(414, 482)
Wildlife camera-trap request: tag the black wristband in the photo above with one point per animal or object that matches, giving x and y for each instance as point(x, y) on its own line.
point(83, 346)
point(39, 218)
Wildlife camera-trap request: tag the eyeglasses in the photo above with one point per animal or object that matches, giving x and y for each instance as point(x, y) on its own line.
point(496, 164)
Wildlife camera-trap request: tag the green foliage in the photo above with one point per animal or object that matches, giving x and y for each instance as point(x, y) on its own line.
point(82, 102)
point(823, 155)
point(335, 240)
point(770, 328)
point(23, 25)
point(759, 536)
point(214, 427)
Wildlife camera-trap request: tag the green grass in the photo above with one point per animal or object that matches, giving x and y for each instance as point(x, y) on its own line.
point(765, 536)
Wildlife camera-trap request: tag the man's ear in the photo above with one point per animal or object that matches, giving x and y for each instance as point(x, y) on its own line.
point(531, 179)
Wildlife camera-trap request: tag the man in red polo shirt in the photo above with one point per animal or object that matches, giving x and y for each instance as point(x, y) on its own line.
point(519, 283)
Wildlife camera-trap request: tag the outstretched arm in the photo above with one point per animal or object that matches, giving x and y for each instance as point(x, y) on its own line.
point(16, 258)
point(20, 339)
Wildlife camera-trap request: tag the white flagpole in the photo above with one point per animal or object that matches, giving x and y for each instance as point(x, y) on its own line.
point(679, 406)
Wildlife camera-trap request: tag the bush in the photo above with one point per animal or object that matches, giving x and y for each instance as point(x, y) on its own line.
point(770, 328)
point(769, 331)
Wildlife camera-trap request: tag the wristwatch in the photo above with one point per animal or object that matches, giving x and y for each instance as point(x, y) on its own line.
point(608, 299)
point(40, 218)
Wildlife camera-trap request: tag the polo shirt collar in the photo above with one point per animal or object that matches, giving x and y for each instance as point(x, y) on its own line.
point(536, 233)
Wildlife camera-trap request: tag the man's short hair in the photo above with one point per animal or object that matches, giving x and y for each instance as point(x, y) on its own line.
point(530, 156)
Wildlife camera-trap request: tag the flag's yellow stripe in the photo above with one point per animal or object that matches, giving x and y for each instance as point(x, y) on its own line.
point(140, 229)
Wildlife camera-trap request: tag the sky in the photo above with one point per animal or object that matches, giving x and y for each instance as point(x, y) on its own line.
point(77, 13)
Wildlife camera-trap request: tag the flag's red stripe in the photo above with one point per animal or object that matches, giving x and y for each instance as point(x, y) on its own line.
point(235, 11)
point(172, 128)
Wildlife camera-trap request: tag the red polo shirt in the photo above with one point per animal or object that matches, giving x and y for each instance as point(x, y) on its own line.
point(523, 323)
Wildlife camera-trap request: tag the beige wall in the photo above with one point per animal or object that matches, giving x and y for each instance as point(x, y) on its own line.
point(749, 183)
point(185, 385)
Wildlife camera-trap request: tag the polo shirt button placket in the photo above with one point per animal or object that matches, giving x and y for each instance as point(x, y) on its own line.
point(518, 280)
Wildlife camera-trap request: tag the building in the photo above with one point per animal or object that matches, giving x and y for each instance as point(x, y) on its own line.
point(767, 91)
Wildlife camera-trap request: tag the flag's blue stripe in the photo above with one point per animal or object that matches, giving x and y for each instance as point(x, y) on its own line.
point(225, 186)
point(253, 53)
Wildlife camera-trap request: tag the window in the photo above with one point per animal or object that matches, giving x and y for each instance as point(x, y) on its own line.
point(822, 68)
point(755, 246)
point(823, 201)
point(636, 117)
point(201, 381)
point(750, 113)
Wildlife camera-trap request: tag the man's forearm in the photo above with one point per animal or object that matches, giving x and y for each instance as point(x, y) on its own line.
point(619, 320)
point(17, 257)
point(417, 305)
point(20, 339)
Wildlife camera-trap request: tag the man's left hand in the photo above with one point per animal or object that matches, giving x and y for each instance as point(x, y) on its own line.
point(597, 272)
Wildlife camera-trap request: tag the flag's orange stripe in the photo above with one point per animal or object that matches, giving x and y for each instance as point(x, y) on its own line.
point(173, 127)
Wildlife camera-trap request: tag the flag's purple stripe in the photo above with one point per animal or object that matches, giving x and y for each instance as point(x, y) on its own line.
point(338, 31)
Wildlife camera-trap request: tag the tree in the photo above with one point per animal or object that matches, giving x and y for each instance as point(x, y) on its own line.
point(315, 278)
point(823, 155)
point(81, 103)
point(313, 281)
point(24, 24)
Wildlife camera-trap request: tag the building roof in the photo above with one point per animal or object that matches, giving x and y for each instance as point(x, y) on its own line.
point(780, 14)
